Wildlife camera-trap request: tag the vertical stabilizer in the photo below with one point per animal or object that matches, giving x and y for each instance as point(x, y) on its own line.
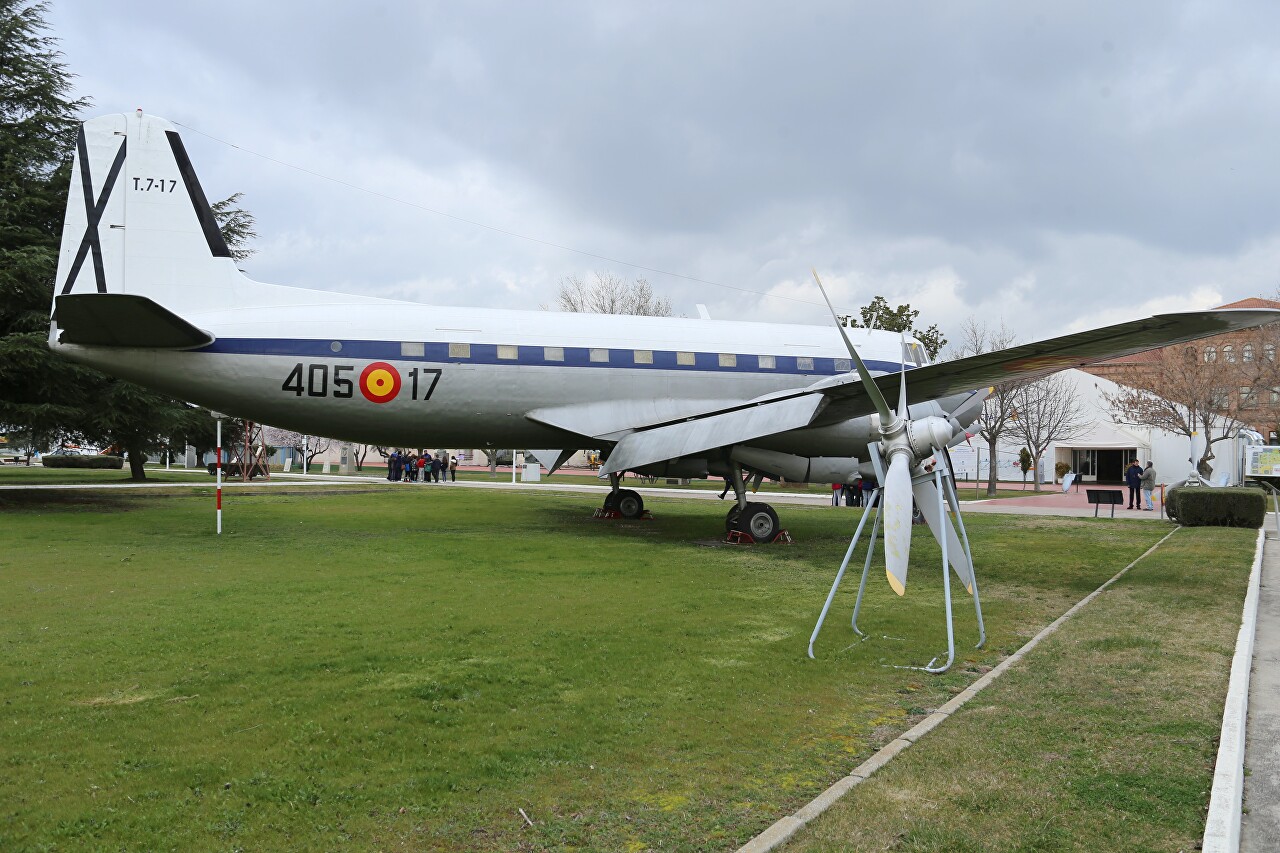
point(138, 221)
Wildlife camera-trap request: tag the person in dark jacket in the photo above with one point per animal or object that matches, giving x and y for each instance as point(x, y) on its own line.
point(1133, 479)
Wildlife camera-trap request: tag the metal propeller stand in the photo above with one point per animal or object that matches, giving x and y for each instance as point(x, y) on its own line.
point(946, 497)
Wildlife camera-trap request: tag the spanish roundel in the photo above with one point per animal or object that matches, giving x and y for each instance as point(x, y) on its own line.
point(380, 382)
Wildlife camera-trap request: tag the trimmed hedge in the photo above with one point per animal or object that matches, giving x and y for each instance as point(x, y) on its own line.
point(57, 460)
point(1205, 506)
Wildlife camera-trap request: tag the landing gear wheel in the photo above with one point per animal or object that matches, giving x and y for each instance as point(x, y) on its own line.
point(731, 519)
point(759, 521)
point(629, 504)
point(611, 501)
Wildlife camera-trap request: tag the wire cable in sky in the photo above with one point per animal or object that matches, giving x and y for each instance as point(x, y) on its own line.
point(493, 228)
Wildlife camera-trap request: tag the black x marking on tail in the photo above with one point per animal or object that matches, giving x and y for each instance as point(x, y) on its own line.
point(93, 211)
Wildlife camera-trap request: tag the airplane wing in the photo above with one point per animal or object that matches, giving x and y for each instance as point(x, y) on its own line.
point(841, 397)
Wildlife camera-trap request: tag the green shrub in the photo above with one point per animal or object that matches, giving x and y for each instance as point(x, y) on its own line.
point(1061, 469)
point(1202, 506)
point(57, 460)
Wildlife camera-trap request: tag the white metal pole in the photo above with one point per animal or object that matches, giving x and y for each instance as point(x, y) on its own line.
point(513, 467)
point(306, 446)
point(219, 465)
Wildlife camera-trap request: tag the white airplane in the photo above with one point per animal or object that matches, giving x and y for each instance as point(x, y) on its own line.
point(147, 291)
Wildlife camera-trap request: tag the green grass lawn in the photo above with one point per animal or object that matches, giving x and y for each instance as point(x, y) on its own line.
point(22, 475)
point(1104, 738)
point(408, 669)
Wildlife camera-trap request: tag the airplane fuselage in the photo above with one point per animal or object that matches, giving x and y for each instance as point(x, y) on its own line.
point(406, 374)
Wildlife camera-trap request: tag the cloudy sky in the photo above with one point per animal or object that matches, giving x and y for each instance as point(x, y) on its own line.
point(1054, 166)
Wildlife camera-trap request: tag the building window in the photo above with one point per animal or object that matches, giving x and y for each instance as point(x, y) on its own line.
point(1190, 353)
point(1246, 353)
point(1269, 352)
point(728, 359)
point(508, 352)
point(843, 365)
point(804, 363)
point(599, 355)
point(1220, 398)
point(1229, 353)
point(643, 356)
point(1210, 355)
point(1248, 399)
point(685, 358)
point(1275, 396)
point(409, 350)
point(553, 353)
point(459, 350)
point(767, 362)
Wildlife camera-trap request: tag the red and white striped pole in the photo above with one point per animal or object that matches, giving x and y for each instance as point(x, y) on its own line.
point(218, 418)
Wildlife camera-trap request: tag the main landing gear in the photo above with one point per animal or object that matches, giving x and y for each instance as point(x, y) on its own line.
point(621, 503)
point(750, 521)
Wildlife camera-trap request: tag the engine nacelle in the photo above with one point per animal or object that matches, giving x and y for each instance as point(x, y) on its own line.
point(798, 469)
point(928, 434)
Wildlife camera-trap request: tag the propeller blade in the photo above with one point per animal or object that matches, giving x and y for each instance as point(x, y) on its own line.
point(877, 398)
point(951, 468)
point(902, 379)
point(897, 521)
point(926, 495)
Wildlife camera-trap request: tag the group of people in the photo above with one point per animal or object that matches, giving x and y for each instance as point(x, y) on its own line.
point(1141, 479)
point(851, 492)
point(422, 467)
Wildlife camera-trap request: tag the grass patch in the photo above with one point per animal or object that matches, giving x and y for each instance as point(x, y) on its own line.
point(406, 669)
point(1104, 738)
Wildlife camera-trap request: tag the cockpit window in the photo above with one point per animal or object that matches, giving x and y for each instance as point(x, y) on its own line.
point(913, 353)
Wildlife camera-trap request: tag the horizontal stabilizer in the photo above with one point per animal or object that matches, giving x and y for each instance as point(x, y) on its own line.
point(123, 320)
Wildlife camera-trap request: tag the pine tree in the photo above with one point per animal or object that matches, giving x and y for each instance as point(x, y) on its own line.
point(39, 394)
point(43, 397)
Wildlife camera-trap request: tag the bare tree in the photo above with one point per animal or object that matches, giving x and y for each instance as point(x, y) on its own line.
point(311, 445)
point(1178, 391)
point(1047, 411)
point(996, 418)
point(611, 294)
point(358, 454)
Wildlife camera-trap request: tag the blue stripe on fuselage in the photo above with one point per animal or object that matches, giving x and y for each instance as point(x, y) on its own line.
point(534, 356)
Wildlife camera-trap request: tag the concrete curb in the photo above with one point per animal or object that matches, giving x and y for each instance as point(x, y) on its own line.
point(1222, 827)
point(783, 830)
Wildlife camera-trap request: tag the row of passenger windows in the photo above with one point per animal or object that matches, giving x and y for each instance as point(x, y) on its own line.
point(511, 352)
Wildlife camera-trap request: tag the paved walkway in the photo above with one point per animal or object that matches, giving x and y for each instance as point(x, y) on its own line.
point(1260, 826)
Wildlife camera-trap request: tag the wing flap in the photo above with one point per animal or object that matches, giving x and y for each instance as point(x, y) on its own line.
point(699, 434)
point(123, 320)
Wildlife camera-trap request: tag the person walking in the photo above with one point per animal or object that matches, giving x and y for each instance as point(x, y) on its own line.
point(444, 466)
point(422, 468)
point(855, 491)
point(453, 468)
point(1148, 481)
point(1133, 479)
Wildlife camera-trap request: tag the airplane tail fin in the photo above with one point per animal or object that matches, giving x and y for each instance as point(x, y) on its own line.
point(138, 221)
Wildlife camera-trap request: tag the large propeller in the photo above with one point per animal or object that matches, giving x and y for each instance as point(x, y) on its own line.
point(904, 444)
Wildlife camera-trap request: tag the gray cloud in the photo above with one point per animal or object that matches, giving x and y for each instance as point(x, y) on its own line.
point(1047, 164)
